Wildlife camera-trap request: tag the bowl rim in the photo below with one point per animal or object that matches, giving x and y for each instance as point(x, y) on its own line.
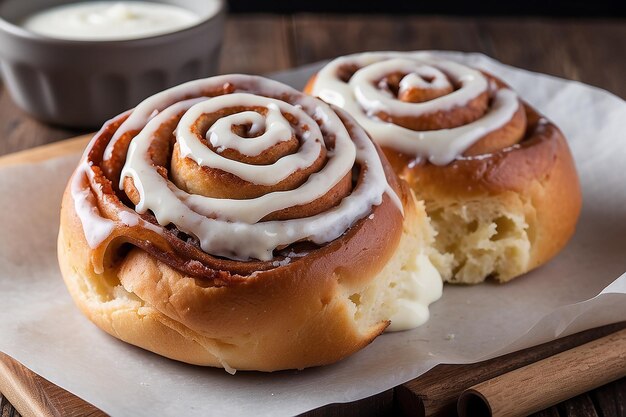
point(27, 35)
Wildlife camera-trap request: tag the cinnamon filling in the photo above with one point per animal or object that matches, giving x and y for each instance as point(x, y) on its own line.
point(190, 178)
point(418, 104)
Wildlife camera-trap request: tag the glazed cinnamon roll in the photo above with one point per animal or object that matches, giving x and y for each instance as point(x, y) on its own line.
point(236, 222)
point(498, 179)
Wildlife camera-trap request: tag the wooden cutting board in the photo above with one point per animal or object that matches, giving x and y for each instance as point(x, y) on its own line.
point(33, 395)
point(432, 394)
point(41, 153)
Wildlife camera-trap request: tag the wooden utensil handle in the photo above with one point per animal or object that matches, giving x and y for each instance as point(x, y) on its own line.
point(549, 381)
point(35, 396)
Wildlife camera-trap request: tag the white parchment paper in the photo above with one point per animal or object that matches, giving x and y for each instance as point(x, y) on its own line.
point(582, 288)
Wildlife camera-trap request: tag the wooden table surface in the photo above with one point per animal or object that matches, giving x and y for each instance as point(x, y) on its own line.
point(591, 51)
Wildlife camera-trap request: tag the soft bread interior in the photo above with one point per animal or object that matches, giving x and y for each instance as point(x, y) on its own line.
point(488, 237)
point(405, 287)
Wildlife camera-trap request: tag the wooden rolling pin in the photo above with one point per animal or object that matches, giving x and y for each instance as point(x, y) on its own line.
point(436, 393)
point(542, 384)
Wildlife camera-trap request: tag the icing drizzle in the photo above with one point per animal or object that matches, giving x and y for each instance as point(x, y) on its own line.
point(233, 228)
point(364, 97)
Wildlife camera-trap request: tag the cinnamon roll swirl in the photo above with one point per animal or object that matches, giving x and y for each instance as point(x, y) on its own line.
point(238, 223)
point(497, 178)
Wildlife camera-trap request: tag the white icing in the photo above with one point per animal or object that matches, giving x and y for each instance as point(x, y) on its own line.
point(128, 218)
point(489, 155)
point(112, 20)
point(423, 287)
point(211, 219)
point(416, 79)
point(96, 228)
point(131, 219)
point(370, 98)
point(271, 174)
point(275, 127)
point(362, 99)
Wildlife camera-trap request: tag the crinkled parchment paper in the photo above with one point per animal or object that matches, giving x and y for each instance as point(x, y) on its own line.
point(579, 289)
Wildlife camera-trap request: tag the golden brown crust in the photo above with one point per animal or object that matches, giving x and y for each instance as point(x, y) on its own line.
point(276, 319)
point(541, 171)
point(525, 168)
point(153, 286)
point(212, 182)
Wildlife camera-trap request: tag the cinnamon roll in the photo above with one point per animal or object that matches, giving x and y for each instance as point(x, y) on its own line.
point(238, 223)
point(497, 178)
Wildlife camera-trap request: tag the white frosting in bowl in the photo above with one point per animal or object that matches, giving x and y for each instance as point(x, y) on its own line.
point(112, 20)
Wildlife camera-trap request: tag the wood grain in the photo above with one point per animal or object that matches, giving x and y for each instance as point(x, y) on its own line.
point(437, 391)
point(317, 39)
point(256, 45)
point(581, 406)
point(586, 51)
point(550, 412)
point(590, 51)
point(611, 399)
point(6, 409)
point(549, 381)
point(41, 153)
point(19, 131)
point(37, 397)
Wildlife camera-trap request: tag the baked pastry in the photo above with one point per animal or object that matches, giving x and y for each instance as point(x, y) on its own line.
point(498, 179)
point(236, 222)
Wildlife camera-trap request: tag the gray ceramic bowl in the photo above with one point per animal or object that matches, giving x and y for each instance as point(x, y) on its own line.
point(84, 83)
